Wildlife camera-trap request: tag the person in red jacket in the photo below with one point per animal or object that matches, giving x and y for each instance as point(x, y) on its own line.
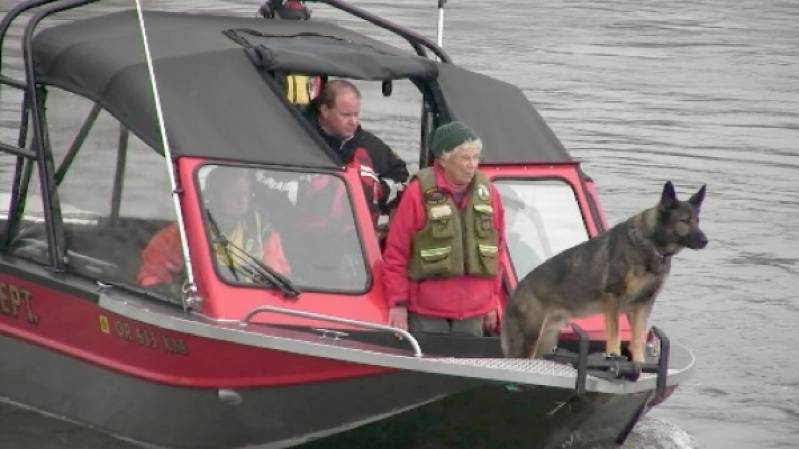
point(441, 262)
point(231, 219)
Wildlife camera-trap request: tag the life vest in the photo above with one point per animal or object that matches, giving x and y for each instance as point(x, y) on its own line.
point(301, 89)
point(454, 241)
point(258, 240)
point(247, 235)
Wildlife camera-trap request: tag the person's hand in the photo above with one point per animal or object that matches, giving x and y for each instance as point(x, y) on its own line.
point(392, 191)
point(398, 317)
point(491, 322)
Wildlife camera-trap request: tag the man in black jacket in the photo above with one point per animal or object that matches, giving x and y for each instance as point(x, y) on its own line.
point(335, 113)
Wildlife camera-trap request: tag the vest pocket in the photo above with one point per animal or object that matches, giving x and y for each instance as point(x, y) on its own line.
point(488, 257)
point(436, 261)
point(482, 218)
point(442, 228)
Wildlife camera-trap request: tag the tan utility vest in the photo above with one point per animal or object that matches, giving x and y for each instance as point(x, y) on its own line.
point(454, 242)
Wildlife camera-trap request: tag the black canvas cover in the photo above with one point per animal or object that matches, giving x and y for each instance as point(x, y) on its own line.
point(216, 103)
point(512, 131)
point(330, 55)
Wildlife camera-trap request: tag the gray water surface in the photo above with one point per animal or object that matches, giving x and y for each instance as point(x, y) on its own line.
point(697, 92)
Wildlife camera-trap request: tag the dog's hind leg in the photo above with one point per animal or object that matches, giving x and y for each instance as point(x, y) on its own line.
point(548, 334)
point(639, 319)
point(612, 339)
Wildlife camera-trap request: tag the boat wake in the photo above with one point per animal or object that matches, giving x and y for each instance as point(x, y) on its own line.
point(653, 433)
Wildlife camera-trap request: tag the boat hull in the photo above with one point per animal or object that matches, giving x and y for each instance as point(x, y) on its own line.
point(402, 409)
point(198, 418)
point(157, 375)
point(502, 416)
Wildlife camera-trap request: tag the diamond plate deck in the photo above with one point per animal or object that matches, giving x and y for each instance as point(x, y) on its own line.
point(531, 366)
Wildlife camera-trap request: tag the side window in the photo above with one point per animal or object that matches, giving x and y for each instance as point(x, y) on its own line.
point(10, 123)
point(542, 218)
point(396, 119)
point(113, 188)
point(30, 239)
point(8, 164)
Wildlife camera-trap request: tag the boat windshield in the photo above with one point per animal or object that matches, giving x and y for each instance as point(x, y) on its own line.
point(542, 218)
point(298, 226)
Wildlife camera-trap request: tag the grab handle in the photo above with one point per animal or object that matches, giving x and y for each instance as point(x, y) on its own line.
point(417, 350)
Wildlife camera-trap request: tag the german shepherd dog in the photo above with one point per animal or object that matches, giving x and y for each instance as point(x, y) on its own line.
point(620, 270)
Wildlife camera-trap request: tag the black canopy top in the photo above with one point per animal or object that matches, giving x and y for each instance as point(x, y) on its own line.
point(217, 105)
point(512, 131)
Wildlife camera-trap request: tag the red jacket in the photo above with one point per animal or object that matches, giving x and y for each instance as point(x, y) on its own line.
point(162, 259)
point(455, 297)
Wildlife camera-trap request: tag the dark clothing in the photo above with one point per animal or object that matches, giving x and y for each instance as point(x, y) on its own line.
point(382, 171)
point(386, 163)
point(472, 327)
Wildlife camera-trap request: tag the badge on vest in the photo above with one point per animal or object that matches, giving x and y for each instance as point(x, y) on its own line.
point(482, 192)
point(442, 211)
point(434, 196)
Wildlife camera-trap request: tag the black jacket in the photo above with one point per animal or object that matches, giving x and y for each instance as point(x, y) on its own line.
point(386, 163)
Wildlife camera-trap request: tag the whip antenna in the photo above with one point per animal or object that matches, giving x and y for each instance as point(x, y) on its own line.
point(440, 31)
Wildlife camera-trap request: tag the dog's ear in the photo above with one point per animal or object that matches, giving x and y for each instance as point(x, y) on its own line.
point(697, 198)
point(668, 199)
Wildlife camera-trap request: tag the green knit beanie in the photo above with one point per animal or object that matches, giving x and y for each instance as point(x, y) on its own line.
point(447, 137)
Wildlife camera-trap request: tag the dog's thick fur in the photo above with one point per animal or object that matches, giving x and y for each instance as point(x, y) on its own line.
point(619, 271)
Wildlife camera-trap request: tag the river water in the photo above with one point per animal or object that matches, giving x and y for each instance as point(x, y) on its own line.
point(697, 92)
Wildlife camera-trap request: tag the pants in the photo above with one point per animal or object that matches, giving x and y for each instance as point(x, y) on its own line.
point(435, 325)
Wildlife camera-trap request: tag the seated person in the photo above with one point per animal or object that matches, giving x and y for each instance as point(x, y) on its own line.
point(235, 229)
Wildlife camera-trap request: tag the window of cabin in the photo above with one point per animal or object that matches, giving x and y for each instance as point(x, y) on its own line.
point(542, 218)
point(300, 225)
point(10, 123)
point(8, 165)
point(396, 118)
point(113, 188)
point(29, 240)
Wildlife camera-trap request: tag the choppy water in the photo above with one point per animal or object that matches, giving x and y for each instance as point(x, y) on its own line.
point(703, 91)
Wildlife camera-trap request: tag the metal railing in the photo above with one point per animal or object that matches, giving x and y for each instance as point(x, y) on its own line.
point(417, 41)
point(417, 350)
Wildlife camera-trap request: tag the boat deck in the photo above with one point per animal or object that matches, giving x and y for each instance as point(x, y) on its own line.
point(331, 344)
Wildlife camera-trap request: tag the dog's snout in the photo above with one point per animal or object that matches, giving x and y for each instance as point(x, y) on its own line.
point(701, 241)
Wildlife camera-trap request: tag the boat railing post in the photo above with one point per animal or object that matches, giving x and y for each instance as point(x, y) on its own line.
point(663, 360)
point(417, 350)
point(582, 359)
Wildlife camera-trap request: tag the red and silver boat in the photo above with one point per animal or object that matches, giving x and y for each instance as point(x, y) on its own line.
point(98, 166)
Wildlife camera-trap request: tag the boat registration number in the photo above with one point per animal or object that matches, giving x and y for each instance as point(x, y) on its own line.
point(143, 336)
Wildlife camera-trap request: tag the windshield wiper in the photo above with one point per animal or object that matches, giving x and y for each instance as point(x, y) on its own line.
point(240, 259)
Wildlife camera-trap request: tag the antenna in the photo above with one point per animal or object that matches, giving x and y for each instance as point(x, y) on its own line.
point(440, 31)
